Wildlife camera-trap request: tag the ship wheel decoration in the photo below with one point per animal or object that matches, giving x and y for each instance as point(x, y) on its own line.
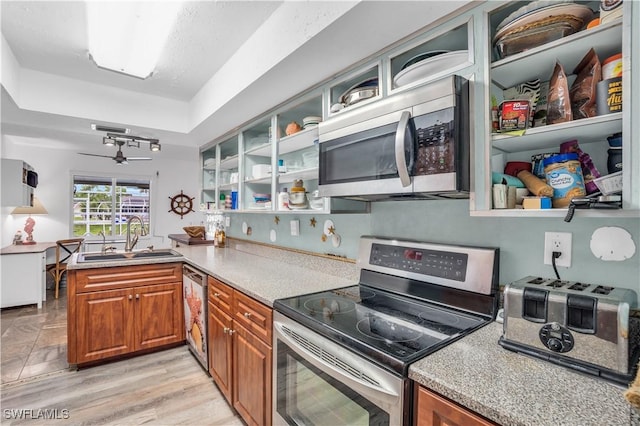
point(181, 204)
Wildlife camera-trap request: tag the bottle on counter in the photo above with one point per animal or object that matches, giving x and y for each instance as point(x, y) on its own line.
point(221, 236)
point(283, 200)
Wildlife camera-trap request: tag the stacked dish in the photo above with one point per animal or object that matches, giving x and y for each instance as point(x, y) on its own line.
point(364, 90)
point(429, 63)
point(297, 198)
point(538, 23)
point(310, 121)
point(262, 201)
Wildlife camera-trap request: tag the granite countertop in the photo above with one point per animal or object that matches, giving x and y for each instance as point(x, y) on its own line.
point(263, 278)
point(516, 390)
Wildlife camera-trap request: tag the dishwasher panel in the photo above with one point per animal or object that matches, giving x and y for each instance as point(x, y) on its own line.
point(194, 290)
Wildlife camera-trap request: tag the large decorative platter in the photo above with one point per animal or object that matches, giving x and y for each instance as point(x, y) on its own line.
point(430, 66)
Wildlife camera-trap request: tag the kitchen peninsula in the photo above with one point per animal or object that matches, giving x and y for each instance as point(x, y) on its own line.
point(475, 372)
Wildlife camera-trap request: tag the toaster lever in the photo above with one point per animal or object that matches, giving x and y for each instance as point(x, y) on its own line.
point(535, 305)
point(581, 313)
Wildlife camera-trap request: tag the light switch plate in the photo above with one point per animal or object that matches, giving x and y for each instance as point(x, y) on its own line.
point(295, 227)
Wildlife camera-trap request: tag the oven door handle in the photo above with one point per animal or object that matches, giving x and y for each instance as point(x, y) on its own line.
point(344, 375)
point(401, 160)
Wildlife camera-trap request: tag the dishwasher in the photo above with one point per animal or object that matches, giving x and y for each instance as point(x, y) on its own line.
point(194, 290)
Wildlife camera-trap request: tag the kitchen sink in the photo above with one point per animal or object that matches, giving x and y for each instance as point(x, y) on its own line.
point(102, 257)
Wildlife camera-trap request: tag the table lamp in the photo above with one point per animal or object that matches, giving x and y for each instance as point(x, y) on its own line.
point(37, 208)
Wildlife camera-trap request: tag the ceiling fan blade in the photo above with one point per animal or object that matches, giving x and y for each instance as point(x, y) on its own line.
point(96, 155)
point(138, 158)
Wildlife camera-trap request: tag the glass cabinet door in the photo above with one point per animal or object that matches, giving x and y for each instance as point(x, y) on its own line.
point(228, 174)
point(298, 155)
point(257, 164)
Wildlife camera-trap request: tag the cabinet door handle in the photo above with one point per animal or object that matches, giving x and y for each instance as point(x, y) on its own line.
point(225, 330)
point(216, 294)
point(130, 296)
point(231, 332)
point(247, 315)
point(137, 296)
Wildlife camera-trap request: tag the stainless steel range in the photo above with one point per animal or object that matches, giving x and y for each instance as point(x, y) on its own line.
point(342, 356)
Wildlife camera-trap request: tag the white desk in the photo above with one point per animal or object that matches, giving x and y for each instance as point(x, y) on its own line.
point(24, 279)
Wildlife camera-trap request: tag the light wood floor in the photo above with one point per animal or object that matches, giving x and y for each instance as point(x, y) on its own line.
point(163, 388)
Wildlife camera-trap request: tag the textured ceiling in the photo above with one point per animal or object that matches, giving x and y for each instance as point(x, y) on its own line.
point(226, 62)
point(51, 37)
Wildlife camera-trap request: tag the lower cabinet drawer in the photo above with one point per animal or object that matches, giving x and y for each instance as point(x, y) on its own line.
point(220, 295)
point(99, 279)
point(254, 316)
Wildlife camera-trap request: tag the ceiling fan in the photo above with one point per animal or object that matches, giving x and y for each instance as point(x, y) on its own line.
point(119, 158)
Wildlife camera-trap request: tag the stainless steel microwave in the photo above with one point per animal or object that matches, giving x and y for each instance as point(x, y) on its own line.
point(413, 145)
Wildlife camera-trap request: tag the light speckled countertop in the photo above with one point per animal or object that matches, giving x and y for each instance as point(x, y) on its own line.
point(508, 388)
point(514, 389)
point(263, 278)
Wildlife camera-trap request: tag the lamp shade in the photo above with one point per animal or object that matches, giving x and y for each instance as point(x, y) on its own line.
point(37, 208)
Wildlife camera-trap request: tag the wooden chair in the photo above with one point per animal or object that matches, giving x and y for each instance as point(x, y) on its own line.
point(64, 250)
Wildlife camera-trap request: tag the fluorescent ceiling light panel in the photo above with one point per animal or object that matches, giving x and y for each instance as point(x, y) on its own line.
point(128, 36)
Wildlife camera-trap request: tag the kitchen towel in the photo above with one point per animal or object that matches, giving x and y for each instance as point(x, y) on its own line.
point(633, 393)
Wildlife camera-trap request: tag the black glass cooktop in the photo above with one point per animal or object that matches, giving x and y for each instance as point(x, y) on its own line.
point(391, 330)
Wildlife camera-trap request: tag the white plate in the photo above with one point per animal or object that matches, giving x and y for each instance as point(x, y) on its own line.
point(424, 56)
point(431, 66)
point(298, 207)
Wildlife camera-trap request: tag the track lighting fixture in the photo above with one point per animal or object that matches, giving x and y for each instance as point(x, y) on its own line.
point(113, 139)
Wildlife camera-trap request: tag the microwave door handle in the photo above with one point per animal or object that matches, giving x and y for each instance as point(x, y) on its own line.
point(401, 161)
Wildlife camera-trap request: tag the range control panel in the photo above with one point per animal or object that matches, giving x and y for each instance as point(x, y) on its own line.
point(442, 264)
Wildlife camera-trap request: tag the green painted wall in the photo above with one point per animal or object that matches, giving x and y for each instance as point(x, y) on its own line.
point(521, 240)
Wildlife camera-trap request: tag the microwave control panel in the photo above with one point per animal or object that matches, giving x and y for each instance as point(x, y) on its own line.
point(434, 263)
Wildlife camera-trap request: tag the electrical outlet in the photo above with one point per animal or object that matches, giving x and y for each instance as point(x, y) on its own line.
point(295, 228)
point(557, 241)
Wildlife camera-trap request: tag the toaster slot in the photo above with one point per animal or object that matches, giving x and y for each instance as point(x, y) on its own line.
point(581, 313)
point(534, 305)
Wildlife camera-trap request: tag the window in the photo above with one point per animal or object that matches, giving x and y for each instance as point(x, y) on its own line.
point(104, 204)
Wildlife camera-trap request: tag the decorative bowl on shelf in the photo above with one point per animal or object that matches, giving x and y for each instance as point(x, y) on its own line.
point(194, 231)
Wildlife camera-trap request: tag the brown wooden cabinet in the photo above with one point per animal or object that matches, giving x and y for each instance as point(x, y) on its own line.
point(240, 351)
point(220, 349)
point(431, 409)
point(122, 310)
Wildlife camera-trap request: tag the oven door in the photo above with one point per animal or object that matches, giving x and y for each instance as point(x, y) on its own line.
point(317, 382)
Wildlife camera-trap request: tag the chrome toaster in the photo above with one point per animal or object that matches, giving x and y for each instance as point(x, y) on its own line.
point(582, 326)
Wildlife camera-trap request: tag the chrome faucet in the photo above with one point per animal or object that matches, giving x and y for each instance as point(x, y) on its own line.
point(105, 247)
point(131, 244)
